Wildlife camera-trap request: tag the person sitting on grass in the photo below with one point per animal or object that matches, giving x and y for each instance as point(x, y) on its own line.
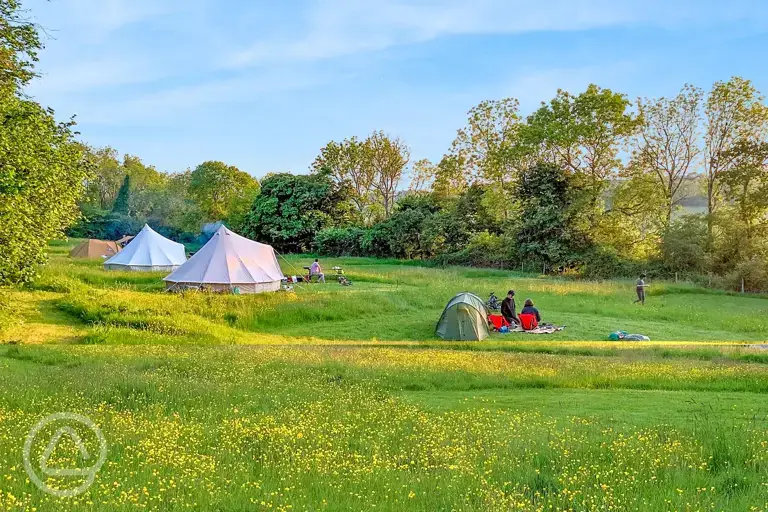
point(508, 309)
point(316, 270)
point(529, 316)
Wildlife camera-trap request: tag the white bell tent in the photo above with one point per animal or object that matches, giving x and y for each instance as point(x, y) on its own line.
point(149, 251)
point(229, 262)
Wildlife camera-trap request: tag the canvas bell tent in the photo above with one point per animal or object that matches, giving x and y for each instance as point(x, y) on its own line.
point(148, 251)
point(464, 318)
point(95, 249)
point(229, 263)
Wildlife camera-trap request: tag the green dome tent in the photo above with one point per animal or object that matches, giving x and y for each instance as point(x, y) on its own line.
point(464, 318)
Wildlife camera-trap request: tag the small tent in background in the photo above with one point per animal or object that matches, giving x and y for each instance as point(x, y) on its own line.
point(464, 318)
point(148, 251)
point(124, 241)
point(229, 262)
point(95, 249)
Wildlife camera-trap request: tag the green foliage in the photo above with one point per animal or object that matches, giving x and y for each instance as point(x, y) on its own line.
point(370, 170)
point(291, 210)
point(41, 178)
point(340, 241)
point(222, 192)
point(583, 134)
point(485, 250)
point(19, 46)
point(123, 197)
point(547, 232)
point(104, 225)
point(684, 245)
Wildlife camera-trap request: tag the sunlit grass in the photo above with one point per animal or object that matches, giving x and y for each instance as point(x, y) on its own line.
point(342, 398)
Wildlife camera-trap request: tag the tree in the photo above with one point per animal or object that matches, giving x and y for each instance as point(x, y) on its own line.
point(583, 134)
point(42, 171)
point(291, 210)
point(745, 184)
point(387, 158)
point(19, 45)
point(684, 247)
point(635, 221)
point(346, 163)
point(42, 168)
point(123, 197)
point(667, 145)
point(490, 149)
point(547, 233)
point(422, 176)
point(108, 174)
point(450, 179)
point(735, 113)
point(222, 192)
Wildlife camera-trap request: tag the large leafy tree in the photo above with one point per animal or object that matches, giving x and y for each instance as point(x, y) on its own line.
point(347, 163)
point(371, 170)
point(547, 233)
point(222, 192)
point(745, 186)
point(42, 168)
point(108, 174)
point(387, 157)
point(42, 171)
point(667, 145)
point(450, 178)
point(490, 149)
point(584, 134)
point(735, 113)
point(292, 209)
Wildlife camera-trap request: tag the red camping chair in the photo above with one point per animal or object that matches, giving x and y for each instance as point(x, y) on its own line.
point(498, 321)
point(528, 321)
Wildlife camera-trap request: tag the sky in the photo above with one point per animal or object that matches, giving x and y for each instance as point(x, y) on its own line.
point(263, 85)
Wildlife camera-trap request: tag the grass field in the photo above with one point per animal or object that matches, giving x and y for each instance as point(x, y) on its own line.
point(341, 398)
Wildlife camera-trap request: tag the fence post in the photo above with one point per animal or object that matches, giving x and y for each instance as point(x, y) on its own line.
point(675, 276)
point(742, 285)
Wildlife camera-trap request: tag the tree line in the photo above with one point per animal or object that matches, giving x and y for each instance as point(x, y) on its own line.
point(592, 183)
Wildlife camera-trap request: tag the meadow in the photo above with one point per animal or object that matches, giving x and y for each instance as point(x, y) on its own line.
point(342, 398)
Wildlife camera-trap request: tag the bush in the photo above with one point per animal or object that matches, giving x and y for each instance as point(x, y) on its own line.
point(484, 250)
point(684, 245)
point(755, 275)
point(340, 242)
point(375, 241)
point(605, 263)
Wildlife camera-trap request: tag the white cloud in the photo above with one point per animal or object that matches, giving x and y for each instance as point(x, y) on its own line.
point(335, 28)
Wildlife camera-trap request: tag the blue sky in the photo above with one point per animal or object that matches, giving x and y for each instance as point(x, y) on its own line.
point(264, 85)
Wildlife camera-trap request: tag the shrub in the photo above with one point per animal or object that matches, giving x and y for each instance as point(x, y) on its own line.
point(340, 242)
point(484, 250)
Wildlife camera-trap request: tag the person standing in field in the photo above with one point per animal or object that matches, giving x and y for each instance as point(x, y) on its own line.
point(640, 288)
point(508, 308)
point(316, 270)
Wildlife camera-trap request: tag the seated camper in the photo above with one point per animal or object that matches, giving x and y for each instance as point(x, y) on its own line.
point(529, 316)
point(316, 271)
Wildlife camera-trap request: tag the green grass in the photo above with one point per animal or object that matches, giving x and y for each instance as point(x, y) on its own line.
point(341, 398)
